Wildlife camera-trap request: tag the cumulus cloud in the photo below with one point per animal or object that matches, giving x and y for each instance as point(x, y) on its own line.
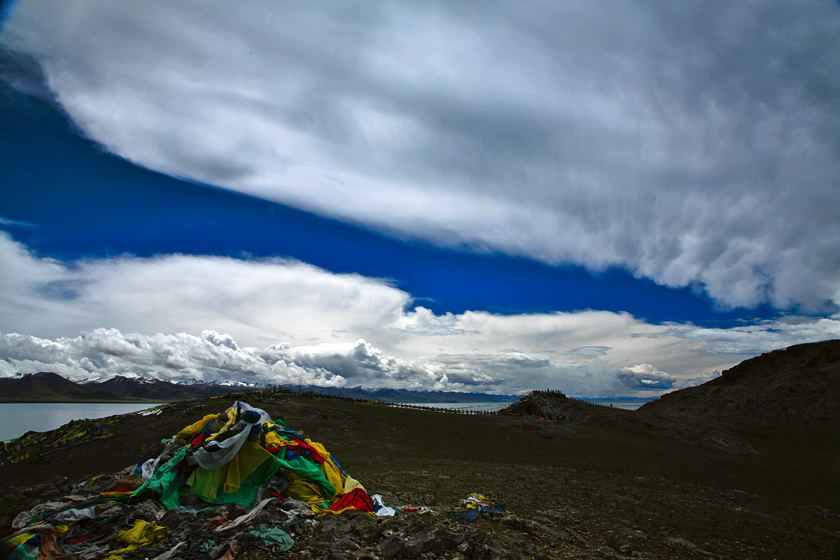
point(361, 363)
point(647, 377)
point(690, 144)
point(424, 321)
point(104, 353)
point(513, 371)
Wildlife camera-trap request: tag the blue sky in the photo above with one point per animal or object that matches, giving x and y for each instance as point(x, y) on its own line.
point(567, 197)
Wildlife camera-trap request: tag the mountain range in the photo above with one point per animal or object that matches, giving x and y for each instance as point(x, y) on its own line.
point(51, 387)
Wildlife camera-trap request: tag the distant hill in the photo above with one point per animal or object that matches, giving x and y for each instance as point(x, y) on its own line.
point(788, 387)
point(48, 387)
point(154, 389)
point(51, 387)
point(557, 407)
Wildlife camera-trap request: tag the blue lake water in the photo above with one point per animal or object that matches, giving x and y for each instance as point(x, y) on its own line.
point(627, 405)
point(19, 418)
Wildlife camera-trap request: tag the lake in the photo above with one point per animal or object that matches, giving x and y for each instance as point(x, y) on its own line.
point(625, 404)
point(18, 418)
point(471, 406)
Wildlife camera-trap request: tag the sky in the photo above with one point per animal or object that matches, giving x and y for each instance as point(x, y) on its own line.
point(596, 197)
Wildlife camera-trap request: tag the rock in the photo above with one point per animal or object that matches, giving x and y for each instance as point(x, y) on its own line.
point(347, 545)
point(516, 522)
point(681, 542)
point(369, 534)
point(391, 547)
point(571, 536)
point(447, 540)
point(607, 552)
point(635, 533)
point(413, 547)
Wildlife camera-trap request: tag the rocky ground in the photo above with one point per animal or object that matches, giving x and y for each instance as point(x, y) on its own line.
point(602, 483)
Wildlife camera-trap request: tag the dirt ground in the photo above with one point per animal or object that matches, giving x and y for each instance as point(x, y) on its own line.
point(604, 484)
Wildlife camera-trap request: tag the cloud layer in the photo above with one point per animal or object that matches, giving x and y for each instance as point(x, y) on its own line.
point(103, 353)
point(692, 144)
point(275, 321)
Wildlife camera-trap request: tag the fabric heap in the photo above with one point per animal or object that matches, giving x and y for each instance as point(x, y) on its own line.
point(249, 476)
point(229, 457)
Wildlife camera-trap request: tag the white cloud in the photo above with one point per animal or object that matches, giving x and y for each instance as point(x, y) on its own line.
point(262, 302)
point(278, 321)
point(103, 353)
point(693, 146)
point(765, 336)
point(646, 377)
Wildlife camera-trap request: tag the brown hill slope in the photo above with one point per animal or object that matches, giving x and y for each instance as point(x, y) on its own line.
point(617, 485)
point(557, 407)
point(788, 388)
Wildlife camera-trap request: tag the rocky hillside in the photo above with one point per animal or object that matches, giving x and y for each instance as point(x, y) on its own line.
point(783, 388)
point(557, 407)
